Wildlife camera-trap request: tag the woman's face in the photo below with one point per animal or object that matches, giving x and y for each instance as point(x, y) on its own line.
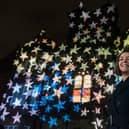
point(124, 62)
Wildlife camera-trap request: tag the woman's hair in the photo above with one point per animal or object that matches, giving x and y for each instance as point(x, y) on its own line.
point(116, 68)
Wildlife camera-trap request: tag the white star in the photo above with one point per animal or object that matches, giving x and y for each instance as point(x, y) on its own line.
point(85, 15)
point(84, 66)
point(69, 81)
point(84, 112)
point(67, 59)
point(56, 66)
point(28, 84)
point(2, 106)
point(72, 15)
point(33, 112)
point(17, 102)
point(111, 9)
point(62, 47)
point(56, 78)
point(104, 20)
point(24, 56)
point(16, 88)
point(74, 50)
point(4, 114)
point(16, 118)
point(58, 92)
point(98, 12)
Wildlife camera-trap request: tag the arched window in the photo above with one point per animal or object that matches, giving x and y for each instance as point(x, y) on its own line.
point(82, 88)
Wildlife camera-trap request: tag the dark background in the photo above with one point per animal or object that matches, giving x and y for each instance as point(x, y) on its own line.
point(21, 20)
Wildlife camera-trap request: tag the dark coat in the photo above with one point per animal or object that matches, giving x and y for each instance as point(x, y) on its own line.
point(119, 106)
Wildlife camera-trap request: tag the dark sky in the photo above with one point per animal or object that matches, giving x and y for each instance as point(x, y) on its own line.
point(21, 20)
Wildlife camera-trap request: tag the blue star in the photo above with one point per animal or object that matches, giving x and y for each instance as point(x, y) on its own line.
point(43, 101)
point(60, 105)
point(54, 85)
point(66, 118)
point(50, 98)
point(76, 108)
point(52, 122)
point(64, 89)
point(48, 108)
point(43, 118)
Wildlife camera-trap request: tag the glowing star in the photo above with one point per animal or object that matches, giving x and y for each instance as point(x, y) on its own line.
point(83, 40)
point(93, 59)
point(80, 5)
point(17, 102)
point(29, 44)
point(25, 106)
point(97, 110)
point(56, 66)
point(56, 78)
point(109, 73)
point(98, 12)
point(80, 26)
point(109, 89)
point(47, 57)
point(59, 105)
point(33, 112)
point(62, 47)
point(111, 9)
point(86, 31)
point(106, 53)
point(98, 96)
point(16, 62)
point(28, 84)
point(87, 50)
point(75, 39)
point(74, 50)
point(23, 56)
point(16, 118)
point(10, 84)
point(69, 81)
point(93, 25)
point(52, 122)
point(66, 118)
point(98, 66)
point(2, 106)
point(79, 59)
point(36, 49)
point(84, 112)
point(58, 92)
point(71, 25)
point(97, 123)
point(4, 114)
point(85, 15)
point(104, 20)
point(16, 88)
point(68, 59)
point(84, 66)
point(72, 15)
point(20, 68)
point(126, 41)
point(40, 77)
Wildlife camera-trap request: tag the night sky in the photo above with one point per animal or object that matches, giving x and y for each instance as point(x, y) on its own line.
point(21, 20)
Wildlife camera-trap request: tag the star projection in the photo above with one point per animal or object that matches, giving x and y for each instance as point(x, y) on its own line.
point(58, 82)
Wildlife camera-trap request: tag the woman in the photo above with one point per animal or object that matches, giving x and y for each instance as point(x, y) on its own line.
point(119, 102)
